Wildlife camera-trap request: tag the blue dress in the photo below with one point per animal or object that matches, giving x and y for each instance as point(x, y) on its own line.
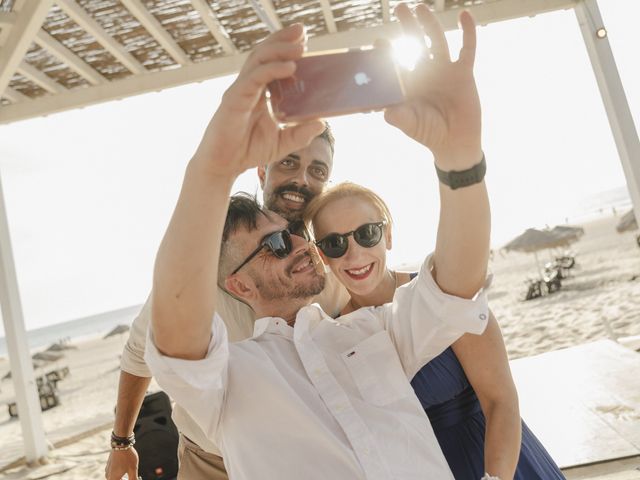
point(459, 424)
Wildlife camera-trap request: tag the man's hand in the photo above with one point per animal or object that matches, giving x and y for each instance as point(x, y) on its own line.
point(442, 110)
point(121, 462)
point(242, 134)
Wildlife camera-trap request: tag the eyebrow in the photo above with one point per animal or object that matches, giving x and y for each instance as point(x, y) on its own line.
point(320, 162)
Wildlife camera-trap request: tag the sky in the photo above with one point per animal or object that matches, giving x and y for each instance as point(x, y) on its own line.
point(89, 192)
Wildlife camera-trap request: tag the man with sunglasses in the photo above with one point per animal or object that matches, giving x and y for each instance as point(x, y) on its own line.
point(288, 185)
point(308, 396)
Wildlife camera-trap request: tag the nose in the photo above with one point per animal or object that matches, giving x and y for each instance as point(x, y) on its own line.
point(298, 245)
point(301, 177)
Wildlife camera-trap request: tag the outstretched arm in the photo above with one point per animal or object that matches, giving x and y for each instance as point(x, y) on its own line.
point(442, 112)
point(241, 135)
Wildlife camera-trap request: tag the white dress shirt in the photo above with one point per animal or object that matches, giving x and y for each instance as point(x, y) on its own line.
point(327, 399)
point(239, 322)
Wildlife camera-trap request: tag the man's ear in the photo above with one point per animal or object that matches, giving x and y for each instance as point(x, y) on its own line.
point(240, 286)
point(262, 174)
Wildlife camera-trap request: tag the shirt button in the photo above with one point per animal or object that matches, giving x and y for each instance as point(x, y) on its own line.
point(482, 316)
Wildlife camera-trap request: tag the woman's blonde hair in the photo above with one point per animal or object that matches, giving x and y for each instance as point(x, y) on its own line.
point(345, 190)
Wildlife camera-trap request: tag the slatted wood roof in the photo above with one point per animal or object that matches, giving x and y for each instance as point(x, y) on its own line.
point(62, 54)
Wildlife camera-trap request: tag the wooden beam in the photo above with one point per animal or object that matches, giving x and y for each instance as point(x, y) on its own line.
point(14, 96)
point(82, 18)
point(25, 27)
point(215, 27)
point(7, 19)
point(22, 375)
point(265, 11)
point(156, 30)
point(328, 16)
point(386, 11)
point(484, 13)
point(75, 63)
point(499, 11)
point(39, 78)
point(126, 87)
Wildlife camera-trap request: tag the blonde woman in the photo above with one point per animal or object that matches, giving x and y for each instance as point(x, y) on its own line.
point(467, 391)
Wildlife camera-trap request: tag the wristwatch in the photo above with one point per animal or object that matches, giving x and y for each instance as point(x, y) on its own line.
point(458, 179)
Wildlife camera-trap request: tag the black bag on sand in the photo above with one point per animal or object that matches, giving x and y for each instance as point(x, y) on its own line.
point(156, 439)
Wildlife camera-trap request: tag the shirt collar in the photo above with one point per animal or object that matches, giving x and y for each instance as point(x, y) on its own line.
point(307, 319)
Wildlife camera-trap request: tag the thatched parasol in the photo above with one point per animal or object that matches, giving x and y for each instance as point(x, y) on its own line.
point(46, 357)
point(117, 331)
point(568, 232)
point(533, 240)
point(60, 347)
point(627, 223)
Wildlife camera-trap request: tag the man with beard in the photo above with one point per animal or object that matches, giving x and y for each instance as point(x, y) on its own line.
point(309, 396)
point(288, 185)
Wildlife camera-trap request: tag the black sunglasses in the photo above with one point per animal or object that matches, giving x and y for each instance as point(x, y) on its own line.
point(278, 243)
point(335, 245)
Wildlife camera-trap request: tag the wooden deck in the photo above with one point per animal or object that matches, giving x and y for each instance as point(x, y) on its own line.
point(583, 403)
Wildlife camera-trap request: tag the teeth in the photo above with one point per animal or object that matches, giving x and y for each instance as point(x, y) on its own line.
point(293, 197)
point(360, 271)
point(304, 265)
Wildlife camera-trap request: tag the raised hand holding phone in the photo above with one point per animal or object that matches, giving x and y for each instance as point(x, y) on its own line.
point(442, 110)
point(242, 134)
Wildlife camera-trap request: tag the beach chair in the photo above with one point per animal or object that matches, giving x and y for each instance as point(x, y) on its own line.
point(553, 281)
point(48, 394)
point(534, 289)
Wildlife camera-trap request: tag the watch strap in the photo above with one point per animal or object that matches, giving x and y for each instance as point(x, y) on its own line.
point(458, 179)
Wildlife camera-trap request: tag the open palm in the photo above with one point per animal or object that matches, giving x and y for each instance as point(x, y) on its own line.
point(442, 110)
point(242, 134)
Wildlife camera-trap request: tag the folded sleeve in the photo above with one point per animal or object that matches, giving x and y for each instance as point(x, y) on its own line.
point(132, 359)
point(196, 385)
point(423, 321)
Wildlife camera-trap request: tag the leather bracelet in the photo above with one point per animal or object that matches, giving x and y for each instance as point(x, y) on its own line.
point(122, 443)
point(458, 179)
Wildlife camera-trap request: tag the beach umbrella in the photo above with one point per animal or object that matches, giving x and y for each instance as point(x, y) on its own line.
point(533, 240)
point(117, 331)
point(627, 223)
point(568, 232)
point(47, 357)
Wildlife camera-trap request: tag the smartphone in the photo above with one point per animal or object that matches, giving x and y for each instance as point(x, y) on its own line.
point(328, 84)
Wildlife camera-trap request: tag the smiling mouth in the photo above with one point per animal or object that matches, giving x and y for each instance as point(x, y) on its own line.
point(305, 265)
point(294, 198)
point(360, 273)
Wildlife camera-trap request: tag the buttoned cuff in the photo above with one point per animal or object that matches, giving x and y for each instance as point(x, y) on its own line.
point(470, 314)
point(203, 374)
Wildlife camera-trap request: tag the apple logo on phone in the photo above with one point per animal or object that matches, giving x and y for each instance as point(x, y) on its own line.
point(361, 78)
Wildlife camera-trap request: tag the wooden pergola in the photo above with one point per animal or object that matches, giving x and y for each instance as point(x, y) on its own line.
point(57, 55)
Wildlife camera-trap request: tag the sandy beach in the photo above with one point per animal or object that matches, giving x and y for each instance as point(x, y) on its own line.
point(601, 299)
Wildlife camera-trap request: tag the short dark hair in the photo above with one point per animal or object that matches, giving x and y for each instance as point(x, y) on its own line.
point(243, 212)
point(327, 135)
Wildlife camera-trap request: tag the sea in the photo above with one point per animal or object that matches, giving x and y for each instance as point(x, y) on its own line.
point(76, 330)
point(614, 201)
